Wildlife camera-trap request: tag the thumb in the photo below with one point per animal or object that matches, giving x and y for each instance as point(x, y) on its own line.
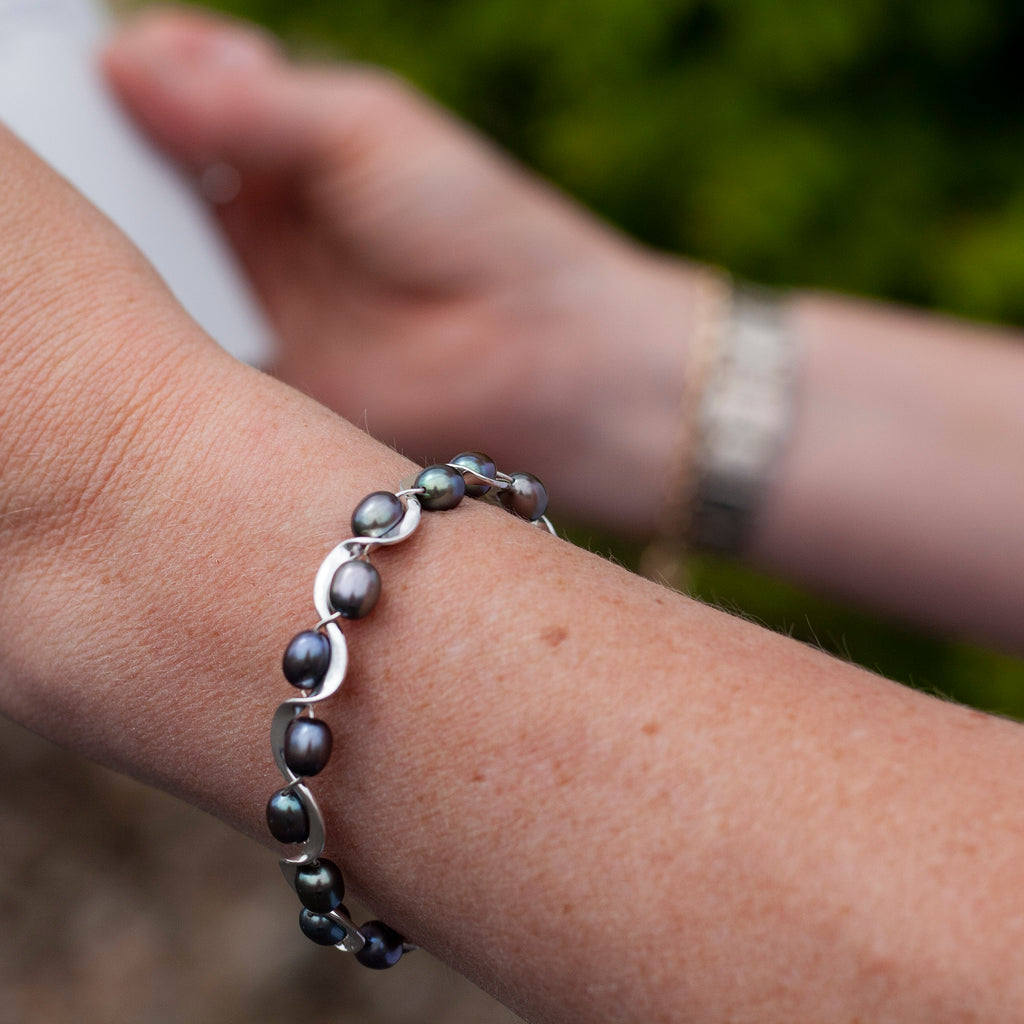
point(208, 88)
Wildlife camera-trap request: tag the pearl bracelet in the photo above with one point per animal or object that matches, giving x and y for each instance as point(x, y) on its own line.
point(347, 586)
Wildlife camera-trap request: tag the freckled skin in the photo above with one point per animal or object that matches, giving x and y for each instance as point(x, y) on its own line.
point(555, 636)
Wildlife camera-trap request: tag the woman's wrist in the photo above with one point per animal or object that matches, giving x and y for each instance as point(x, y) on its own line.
point(894, 490)
point(604, 349)
point(485, 754)
point(177, 564)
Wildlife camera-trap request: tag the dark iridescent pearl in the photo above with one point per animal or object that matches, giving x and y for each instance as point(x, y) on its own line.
point(307, 746)
point(320, 928)
point(383, 947)
point(377, 514)
point(287, 818)
point(306, 659)
point(478, 463)
point(355, 589)
point(320, 886)
point(526, 496)
point(443, 488)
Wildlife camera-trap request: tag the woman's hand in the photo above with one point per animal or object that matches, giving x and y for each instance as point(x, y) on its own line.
point(421, 283)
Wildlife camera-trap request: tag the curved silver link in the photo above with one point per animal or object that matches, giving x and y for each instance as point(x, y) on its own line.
point(353, 941)
point(336, 617)
point(322, 584)
point(411, 519)
point(359, 547)
point(547, 524)
point(327, 687)
point(290, 709)
point(354, 546)
point(348, 550)
point(499, 482)
point(336, 667)
point(313, 847)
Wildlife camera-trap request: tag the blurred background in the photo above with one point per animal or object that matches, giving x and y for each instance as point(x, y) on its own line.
point(873, 148)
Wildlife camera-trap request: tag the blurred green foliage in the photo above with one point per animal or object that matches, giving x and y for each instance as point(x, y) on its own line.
point(872, 147)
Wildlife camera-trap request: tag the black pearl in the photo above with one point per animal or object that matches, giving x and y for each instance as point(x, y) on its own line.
point(526, 496)
point(478, 463)
point(320, 928)
point(383, 948)
point(320, 886)
point(306, 659)
point(307, 746)
point(355, 589)
point(377, 514)
point(287, 817)
point(443, 488)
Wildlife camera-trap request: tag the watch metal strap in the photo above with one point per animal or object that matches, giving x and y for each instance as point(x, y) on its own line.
point(745, 420)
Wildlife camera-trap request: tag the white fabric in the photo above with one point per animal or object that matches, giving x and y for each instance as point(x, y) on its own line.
point(53, 96)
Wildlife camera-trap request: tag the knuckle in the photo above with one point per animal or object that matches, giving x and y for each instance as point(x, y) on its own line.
point(377, 95)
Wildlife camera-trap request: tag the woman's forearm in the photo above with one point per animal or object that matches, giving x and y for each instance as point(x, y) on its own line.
point(598, 799)
point(900, 483)
point(904, 479)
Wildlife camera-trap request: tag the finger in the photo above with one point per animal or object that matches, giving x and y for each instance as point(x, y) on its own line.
point(208, 89)
point(186, 77)
point(211, 89)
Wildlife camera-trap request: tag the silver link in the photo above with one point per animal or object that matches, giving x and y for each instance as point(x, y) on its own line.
point(348, 550)
point(500, 481)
